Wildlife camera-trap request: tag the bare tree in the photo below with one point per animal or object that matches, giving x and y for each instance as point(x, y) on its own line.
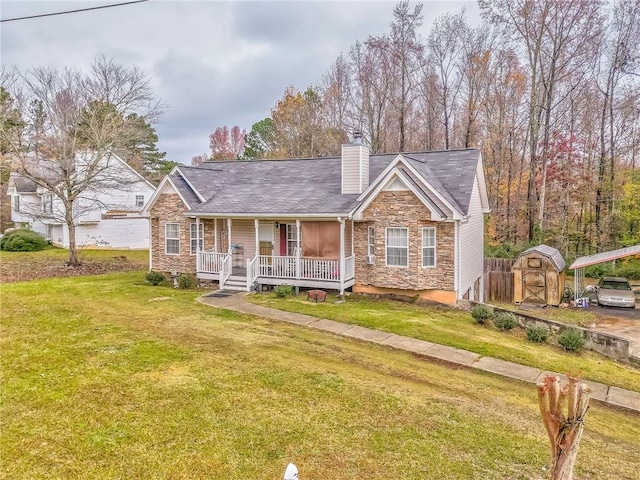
point(617, 62)
point(73, 124)
point(445, 50)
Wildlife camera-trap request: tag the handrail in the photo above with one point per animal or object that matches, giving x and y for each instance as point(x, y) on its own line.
point(350, 267)
point(225, 270)
point(252, 271)
point(210, 262)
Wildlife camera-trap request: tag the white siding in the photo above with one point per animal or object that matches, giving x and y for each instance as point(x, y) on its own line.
point(471, 243)
point(119, 233)
point(243, 232)
point(355, 168)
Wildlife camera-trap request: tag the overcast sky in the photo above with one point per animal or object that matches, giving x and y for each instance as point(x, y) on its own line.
point(212, 63)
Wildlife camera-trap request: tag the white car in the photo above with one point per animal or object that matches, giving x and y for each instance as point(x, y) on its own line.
point(615, 292)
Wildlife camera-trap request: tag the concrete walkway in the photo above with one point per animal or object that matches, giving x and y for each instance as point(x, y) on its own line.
point(604, 393)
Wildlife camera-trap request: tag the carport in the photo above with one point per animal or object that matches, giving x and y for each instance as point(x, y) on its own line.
point(582, 262)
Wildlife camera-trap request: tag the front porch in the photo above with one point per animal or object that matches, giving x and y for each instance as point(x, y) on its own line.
point(335, 274)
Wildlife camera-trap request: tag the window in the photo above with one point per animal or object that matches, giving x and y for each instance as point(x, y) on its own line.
point(371, 241)
point(16, 203)
point(398, 247)
point(429, 247)
point(47, 232)
point(292, 238)
point(534, 263)
point(47, 203)
point(139, 200)
point(172, 238)
point(196, 238)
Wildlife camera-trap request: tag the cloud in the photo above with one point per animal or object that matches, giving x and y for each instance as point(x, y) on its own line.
point(213, 63)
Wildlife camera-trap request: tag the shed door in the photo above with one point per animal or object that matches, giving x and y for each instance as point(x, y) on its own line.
point(534, 286)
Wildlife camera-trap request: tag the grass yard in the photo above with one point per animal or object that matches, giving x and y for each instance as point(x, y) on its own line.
point(51, 262)
point(107, 377)
point(456, 328)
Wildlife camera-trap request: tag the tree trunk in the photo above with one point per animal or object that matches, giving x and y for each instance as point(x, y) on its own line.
point(564, 432)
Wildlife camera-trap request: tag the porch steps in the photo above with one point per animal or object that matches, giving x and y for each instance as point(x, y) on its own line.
point(236, 283)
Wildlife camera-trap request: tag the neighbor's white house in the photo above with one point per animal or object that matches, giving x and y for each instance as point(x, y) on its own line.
point(108, 216)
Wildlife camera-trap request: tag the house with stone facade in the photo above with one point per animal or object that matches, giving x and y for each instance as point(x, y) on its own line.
point(408, 223)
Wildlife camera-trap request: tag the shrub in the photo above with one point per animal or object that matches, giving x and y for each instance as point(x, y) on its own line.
point(186, 281)
point(505, 320)
point(481, 313)
point(629, 268)
point(22, 240)
point(154, 278)
point(571, 339)
point(599, 270)
point(283, 291)
point(537, 334)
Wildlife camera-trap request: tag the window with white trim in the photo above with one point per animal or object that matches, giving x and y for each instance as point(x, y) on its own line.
point(371, 238)
point(196, 238)
point(47, 231)
point(172, 238)
point(139, 200)
point(47, 203)
point(429, 247)
point(397, 246)
point(16, 203)
point(292, 238)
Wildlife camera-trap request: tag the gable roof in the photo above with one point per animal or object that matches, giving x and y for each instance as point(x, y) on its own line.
point(22, 184)
point(313, 187)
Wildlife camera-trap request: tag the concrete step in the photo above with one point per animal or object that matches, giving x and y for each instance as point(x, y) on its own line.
point(237, 285)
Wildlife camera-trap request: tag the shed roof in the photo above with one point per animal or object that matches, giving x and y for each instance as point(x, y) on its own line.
point(550, 252)
point(605, 257)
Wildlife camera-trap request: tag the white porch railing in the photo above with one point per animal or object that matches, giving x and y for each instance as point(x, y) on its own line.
point(252, 271)
point(211, 262)
point(274, 266)
point(350, 267)
point(319, 269)
point(226, 269)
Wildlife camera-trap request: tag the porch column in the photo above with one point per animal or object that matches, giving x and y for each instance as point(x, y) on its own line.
point(298, 253)
point(215, 235)
point(229, 236)
point(256, 224)
point(343, 265)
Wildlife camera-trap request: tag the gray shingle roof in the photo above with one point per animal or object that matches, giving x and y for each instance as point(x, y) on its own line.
point(313, 186)
point(550, 252)
point(23, 184)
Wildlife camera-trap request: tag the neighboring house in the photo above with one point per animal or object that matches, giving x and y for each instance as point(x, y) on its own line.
point(410, 223)
point(104, 217)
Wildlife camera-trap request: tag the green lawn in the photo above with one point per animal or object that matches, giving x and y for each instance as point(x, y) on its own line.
point(456, 328)
point(107, 377)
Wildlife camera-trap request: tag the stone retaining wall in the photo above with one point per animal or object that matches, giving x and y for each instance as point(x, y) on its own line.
point(610, 346)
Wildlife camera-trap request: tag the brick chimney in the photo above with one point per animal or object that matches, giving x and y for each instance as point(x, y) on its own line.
point(355, 165)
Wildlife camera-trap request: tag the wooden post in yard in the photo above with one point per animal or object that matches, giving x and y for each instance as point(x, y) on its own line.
point(564, 432)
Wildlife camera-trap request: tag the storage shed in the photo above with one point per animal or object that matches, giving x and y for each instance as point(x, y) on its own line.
point(538, 276)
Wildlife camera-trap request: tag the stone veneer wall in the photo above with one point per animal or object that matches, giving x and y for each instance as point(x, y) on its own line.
point(403, 209)
point(170, 209)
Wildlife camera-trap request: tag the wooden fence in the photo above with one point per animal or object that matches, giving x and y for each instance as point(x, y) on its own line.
point(498, 279)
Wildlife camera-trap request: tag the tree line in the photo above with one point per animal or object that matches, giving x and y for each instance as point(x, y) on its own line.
point(549, 90)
